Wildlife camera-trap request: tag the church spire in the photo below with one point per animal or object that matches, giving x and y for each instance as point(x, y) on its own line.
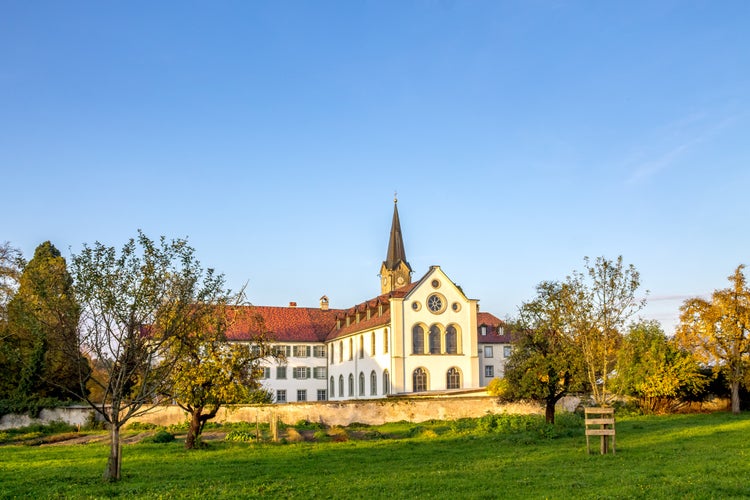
point(395, 271)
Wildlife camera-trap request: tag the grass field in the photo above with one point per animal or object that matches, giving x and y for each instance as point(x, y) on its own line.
point(679, 456)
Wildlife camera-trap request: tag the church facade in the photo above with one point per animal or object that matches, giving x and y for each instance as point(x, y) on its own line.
point(416, 337)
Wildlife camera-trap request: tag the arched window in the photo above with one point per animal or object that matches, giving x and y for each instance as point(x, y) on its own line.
point(351, 385)
point(434, 340)
point(453, 380)
point(332, 389)
point(417, 340)
point(332, 357)
point(361, 346)
point(341, 386)
point(361, 383)
point(351, 348)
point(385, 341)
point(341, 351)
point(372, 344)
point(386, 382)
point(419, 380)
point(373, 383)
point(451, 340)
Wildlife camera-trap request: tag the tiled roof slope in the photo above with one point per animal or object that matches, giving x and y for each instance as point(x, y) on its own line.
point(493, 322)
point(374, 320)
point(285, 324)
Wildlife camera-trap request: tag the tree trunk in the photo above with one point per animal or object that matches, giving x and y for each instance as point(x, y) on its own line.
point(112, 472)
point(735, 397)
point(194, 429)
point(549, 412)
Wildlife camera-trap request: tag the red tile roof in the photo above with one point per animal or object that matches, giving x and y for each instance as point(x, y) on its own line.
point(285, 324)
point(307, 324)
point(492, 322)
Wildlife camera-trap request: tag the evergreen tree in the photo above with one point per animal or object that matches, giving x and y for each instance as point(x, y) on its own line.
point(42, 328)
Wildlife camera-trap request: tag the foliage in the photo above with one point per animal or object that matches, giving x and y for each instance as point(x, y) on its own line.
point(135, 305)
point(34, 431)
point(210, 372)
point(497, 387)
point(718, 331)
point(599, 303)
point(654, 369)
point(161, 436)
point(240, 436)
point(42, 321)
point(11, 265)
point(545, 363)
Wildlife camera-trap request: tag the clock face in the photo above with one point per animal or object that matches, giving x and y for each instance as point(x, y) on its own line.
point(400, 280)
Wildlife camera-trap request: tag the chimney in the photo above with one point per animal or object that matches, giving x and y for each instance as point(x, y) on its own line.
point(292, 304)
point(324, 303)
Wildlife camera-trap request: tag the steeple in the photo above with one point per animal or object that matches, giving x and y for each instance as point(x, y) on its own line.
point(395, 271)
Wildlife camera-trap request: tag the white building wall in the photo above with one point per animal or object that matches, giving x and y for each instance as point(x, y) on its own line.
point(499, 354)
point(458, 311)
point(290, 384)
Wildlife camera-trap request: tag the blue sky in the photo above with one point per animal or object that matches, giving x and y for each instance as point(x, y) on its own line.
point(520, 136)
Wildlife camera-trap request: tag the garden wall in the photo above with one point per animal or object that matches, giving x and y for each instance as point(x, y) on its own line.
point(371, 412)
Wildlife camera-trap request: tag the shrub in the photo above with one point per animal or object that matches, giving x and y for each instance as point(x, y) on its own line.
point(497, 387)
point(321, 436)
point(240, 436)
point(306, 425)
point(293, 435)
point(161, 436)
point(338, 434)
point(141, 426)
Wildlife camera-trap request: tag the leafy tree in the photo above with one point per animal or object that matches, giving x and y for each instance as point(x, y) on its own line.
point(654, 369)
point(598, 305)
point(545, 363)
point(135, 306)
point(718, 331)
point(11, 265)
point(210, 372)
point(42, 325)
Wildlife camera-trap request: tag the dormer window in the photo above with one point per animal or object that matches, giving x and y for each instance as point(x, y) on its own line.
point(483, 329)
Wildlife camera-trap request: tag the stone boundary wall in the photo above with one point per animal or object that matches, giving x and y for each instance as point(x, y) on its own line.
point(74, 415)
point(372, 412)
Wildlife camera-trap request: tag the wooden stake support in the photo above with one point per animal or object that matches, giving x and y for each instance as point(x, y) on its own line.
point(600, 422)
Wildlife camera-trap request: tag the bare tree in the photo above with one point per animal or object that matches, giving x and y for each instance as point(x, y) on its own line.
point(135, 305)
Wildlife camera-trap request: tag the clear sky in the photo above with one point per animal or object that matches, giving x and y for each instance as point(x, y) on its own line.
point(520, 136)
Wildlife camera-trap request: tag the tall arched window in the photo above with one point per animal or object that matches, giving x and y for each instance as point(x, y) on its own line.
point(451, 340)
point(419, 380)
point(341, 386)
point(351, 385)
point(386, 382)
point(361, 383)
point(417, 340)
point(332, 388)
point(373, 383)
point(434, 340)
point(341, 351)
point(372, 343)
point(361, 346)
point(351, 348)
point(453, 380)
point(385, 340)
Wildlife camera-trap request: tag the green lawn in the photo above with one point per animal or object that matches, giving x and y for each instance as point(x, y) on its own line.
point(680, 456)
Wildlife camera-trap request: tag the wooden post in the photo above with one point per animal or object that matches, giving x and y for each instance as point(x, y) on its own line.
point(275, 427)
point(602, 421)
